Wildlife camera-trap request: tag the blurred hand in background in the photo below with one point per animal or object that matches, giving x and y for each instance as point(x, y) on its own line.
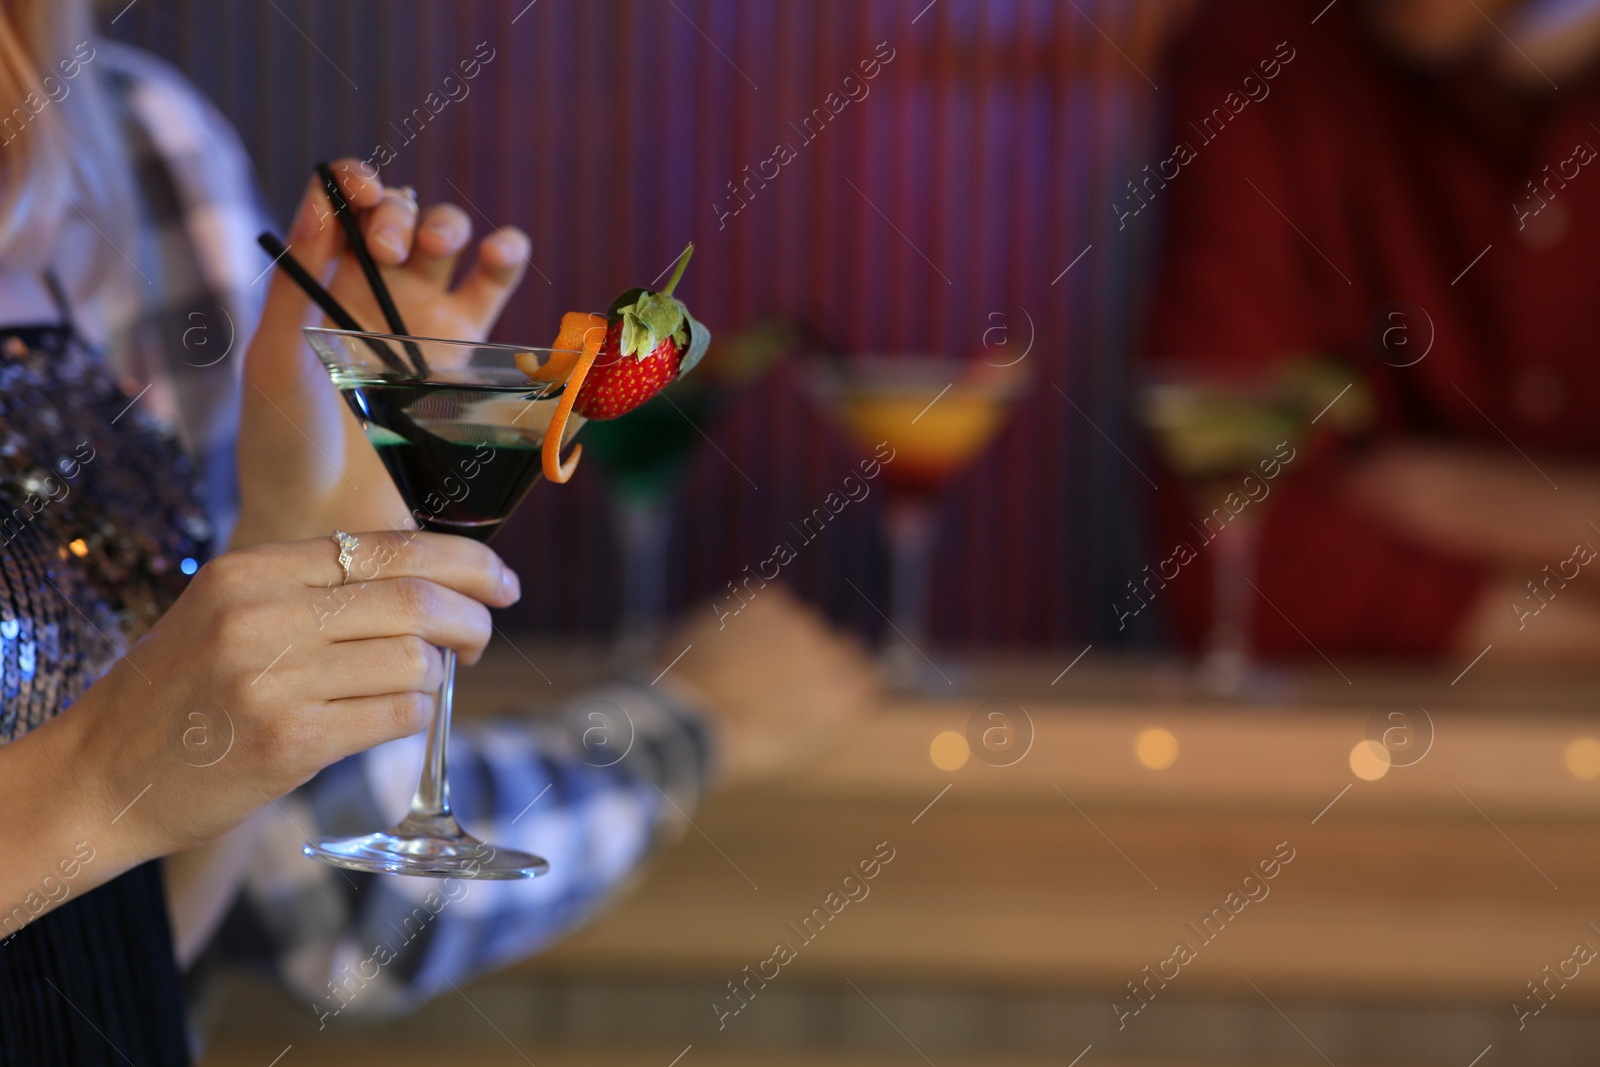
point(781, 684)
point(1499, 510)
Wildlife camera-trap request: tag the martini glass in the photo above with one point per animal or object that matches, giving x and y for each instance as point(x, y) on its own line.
point(462, 442)
point(1212, 431)
point(645, 455)
point(937, 414)
point(1215, 427)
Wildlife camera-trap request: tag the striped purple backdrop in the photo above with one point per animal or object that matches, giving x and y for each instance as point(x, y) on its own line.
point(946, 203)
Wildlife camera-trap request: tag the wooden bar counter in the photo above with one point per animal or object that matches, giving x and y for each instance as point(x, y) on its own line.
point(1441, 881)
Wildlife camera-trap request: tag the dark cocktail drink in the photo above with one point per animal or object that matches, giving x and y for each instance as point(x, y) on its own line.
point(462, 455)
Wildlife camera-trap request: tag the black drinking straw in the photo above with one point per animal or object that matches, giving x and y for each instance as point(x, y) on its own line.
point(358, 245)
point(323, 299)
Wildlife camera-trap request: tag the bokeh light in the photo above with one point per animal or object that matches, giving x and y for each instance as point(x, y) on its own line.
point(949, 751)
point(1369, 760)
point(1156, 748)
point(1582, 757)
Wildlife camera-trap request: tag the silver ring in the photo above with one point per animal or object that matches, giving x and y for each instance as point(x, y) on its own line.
point(347, 543)
point(409, 195)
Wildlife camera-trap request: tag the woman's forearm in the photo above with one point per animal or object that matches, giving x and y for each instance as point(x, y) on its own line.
point(65, 834)
point(354, 513)
point(262, 529)
point(356, 495)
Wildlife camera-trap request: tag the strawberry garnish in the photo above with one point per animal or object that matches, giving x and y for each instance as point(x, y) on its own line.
point(617, 385)
point(651, 341)
point(609, 365)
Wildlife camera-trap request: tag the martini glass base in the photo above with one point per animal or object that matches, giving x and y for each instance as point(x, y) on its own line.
point(908, 669)
point(434, 847)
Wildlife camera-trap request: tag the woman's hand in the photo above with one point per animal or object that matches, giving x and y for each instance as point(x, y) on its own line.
point(280, 671)
point(304, 466)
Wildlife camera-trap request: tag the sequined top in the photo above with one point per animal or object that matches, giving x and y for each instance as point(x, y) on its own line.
point(98, 523)
point(97, 531)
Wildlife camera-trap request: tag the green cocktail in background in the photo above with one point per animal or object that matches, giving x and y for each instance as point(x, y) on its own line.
point(646, 454)
point(1215, 428)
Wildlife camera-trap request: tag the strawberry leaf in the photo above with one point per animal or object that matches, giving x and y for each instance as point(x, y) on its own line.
point(661, 315)
point(648, 319)
point(633, 332)
point(699, 341)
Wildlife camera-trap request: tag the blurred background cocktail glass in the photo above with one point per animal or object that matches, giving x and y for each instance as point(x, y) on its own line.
point(646, 456)
point(1215, 428)
point(937, 414)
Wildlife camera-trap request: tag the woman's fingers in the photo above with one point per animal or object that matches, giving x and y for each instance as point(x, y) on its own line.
point(358, 723)
point(371, 667)
point(279, 363)
point(442, 233)
point(464, 565)
point(428, 243)
point(359, 184)
point(431, 586)
point(409, 606)
point(502, 258)
point(390, 227)
point(315, 241)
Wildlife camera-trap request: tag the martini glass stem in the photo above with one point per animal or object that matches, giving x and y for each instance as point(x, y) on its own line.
point(643, 527)
point(910, 522)
point(911, 558)
point(1226, 666)
point(430, 806)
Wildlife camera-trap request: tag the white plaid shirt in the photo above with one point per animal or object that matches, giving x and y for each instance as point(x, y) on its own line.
point(351, 943)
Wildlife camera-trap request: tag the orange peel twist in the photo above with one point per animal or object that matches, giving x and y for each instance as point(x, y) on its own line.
point(591, 329)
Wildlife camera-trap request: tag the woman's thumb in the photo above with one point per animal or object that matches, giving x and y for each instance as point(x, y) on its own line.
point(278, 356)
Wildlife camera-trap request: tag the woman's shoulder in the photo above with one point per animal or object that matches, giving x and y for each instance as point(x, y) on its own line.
point(169, 108)
point(195, 175)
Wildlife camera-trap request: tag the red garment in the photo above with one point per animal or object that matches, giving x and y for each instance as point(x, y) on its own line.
point(1396, 182)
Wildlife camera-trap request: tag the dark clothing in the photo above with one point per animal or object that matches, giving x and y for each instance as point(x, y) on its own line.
point(94, 982)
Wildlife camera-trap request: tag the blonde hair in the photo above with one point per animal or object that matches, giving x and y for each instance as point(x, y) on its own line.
point(61, 152)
